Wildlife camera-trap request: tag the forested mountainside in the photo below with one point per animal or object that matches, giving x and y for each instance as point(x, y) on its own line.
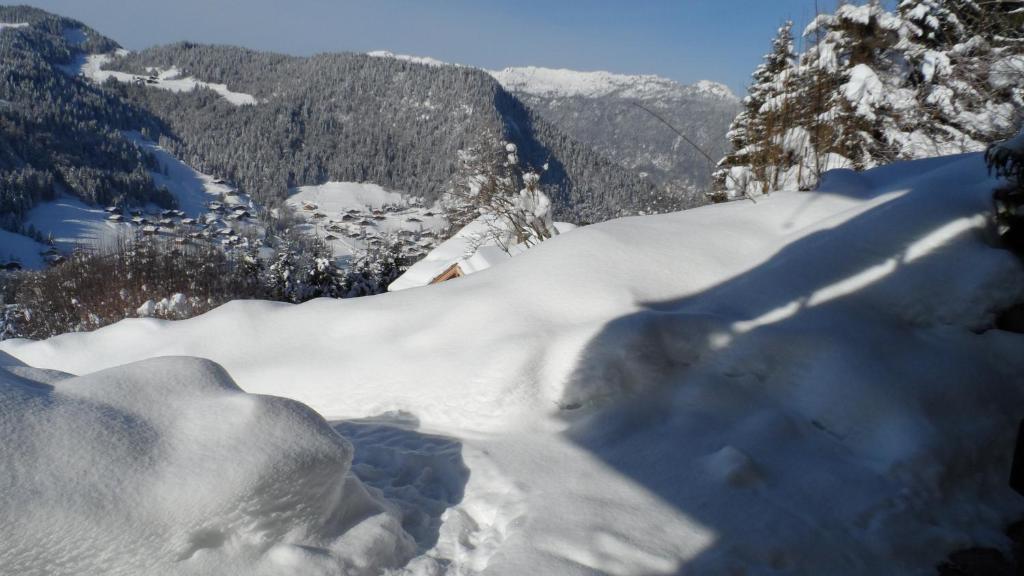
point(354, 117)
point(57, 131)
point(874, 86)
point(604, 111)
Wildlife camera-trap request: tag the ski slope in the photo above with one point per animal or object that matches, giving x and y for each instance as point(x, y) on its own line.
point(809, 384)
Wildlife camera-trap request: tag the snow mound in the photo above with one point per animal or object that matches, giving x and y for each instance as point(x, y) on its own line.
point(166, 467)
point(562, 83)
point(809, 384)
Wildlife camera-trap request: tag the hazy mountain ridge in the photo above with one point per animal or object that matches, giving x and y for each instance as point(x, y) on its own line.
point(606, 111)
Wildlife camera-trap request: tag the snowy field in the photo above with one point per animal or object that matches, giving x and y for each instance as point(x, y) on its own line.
point(350, 215)
point(91, 66)
point(808, 384)
point(72, 223)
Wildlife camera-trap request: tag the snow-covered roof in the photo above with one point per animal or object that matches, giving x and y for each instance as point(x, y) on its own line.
point(473, 248)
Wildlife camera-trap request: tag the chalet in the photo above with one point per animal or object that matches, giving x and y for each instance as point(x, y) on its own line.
point(364, 222)
point(219, 181)
point(309, 206)
point(330, 237)
point(413, 219)
point(474, 248)
point(214, 205)
point(188, 221)
point(115, 218)
point(150, 230)
point(112, 210)
point(167, 222)
point(231, 192)
point(139, 220)
point(348, 218)
point(319, 215)
point(379, 217)
point(428, 214)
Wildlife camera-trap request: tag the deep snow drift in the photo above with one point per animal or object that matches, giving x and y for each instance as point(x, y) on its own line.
point(808, 384)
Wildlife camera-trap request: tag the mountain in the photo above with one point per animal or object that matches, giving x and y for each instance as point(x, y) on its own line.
point(604, 110)
point(269, 122)
point(357, 117)
point(59, 133)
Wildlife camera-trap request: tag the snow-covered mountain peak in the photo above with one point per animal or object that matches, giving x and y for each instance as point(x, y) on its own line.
point(550, 82)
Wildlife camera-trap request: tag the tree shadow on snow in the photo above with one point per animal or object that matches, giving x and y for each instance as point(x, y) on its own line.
point(423, 474)
point(771, 418)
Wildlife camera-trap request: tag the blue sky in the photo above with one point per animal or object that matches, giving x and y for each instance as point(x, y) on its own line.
point(686, 40)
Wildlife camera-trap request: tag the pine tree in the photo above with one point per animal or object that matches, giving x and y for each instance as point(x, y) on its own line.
point(754, 134)
point(933, 77)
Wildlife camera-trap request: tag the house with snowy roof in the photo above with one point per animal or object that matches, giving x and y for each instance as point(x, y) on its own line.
point(477, 246)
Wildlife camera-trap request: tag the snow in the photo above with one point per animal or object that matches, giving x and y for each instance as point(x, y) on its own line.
point(425, 60)
point(72, 223)
point(808, 384)
point(142, 486)
point(20, 249)
point(13, 26)
point(334, 199)
point(1007, 72)
point(192, 189)
point(864, 90)
point(562, 83)
point(473, 248)
point(91, 66)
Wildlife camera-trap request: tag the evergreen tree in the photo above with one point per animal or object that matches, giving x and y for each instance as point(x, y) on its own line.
point(754, 134)
point(933, 77)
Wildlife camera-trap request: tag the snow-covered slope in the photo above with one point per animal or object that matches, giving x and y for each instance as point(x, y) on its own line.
point(808, 385)
point(91, 66)
point(352, 215)
point(562, 83)
point(20, 249)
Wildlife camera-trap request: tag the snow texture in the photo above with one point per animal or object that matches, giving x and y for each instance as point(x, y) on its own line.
point(808, 384)
point(165, 467)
